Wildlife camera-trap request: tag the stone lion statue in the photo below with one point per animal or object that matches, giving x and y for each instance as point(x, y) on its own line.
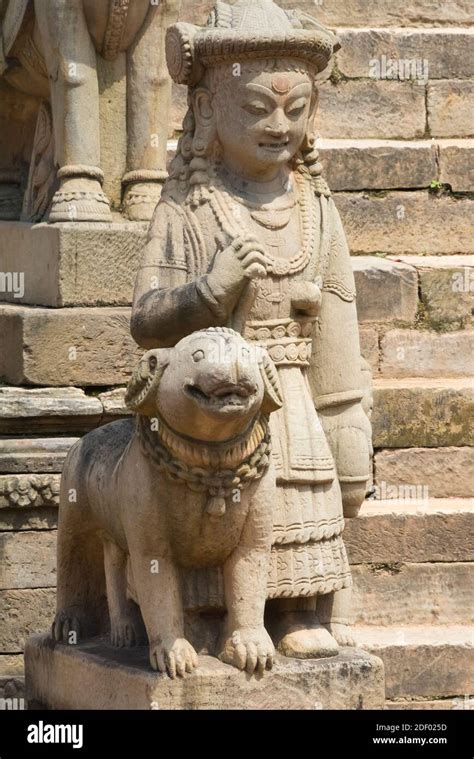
point(187, 485)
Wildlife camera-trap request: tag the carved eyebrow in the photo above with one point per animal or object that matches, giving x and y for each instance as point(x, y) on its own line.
point(260, 89)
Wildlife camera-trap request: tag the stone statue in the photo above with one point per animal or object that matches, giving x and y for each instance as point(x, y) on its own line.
point(246, 236)
point(48, 50)
point(189, 485)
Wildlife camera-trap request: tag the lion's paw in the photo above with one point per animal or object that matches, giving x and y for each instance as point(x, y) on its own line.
point(175, 657)
point(251, 650)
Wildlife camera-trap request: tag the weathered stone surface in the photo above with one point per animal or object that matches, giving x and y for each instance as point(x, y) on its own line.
point(113, 124)
point(47, 409)
point(447, 472)
point(80, 346)
point(407, 223)
point(411, 530)
point(29, 490)
point(15, 520)
point(456, 159)
point(24, 612)
point(96, 676)
point(419, 353)
point(391, 593)
point(28, 560)
point(430, 660)
point(12, 665)
point(424, 704)
point(113, 402)
point(57, 262)
point(386, 290)
point(447, 289)
point(12, 689)
point(422, 413)
point(377, 164)
point(450, 108)
point(355, 13)
point(369, 346)
point(376, 109)
point(34, 455)
point(443, 49)
point(179, 105)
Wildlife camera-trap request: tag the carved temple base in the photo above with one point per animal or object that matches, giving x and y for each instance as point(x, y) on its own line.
point(94, 675)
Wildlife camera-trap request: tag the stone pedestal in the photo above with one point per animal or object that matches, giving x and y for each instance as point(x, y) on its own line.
point(94, 675)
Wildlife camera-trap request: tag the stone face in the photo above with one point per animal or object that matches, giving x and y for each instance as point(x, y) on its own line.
point(95, 676)
point(392, 531)
point(407, 223)
point(34, 455)
point(416, 353)
point(57, 262)
point(377, 164)
point(422, 413)
point(24, 612)
point(422, 660)
point(47, 409)
point(442, 49)
point(446, 472)
point(391, 593)
point(456, 158)
point(83, 346)
point(371, 109)
point(450, 108)
point(386, 290)
point(28, 560)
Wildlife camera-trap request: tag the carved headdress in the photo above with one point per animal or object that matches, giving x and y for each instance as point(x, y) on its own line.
point(247, 30)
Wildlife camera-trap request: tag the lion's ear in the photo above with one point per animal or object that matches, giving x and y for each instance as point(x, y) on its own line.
point(273, 397)
point(142, 388)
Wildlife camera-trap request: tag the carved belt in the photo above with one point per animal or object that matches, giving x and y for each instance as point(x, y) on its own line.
point(287, 341)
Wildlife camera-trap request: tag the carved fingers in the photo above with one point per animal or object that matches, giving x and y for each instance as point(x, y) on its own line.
point(253, 257)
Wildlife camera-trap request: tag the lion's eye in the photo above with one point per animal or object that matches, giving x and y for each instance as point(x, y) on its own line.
point(198, 356)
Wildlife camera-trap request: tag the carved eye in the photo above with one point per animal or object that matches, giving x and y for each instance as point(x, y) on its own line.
point(198, 356)
point(296, 108)
point(256, 109)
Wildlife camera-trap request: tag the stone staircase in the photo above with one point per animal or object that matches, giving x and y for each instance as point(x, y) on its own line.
point(399, 156)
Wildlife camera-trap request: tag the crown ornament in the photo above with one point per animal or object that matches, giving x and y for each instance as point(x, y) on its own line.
point(247, 30)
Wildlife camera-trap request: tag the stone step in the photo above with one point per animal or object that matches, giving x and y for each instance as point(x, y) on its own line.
point(18, 455)
point(446, 285)
point(375, 13)
point(390, 593)
point(436, 53)
point(407, 223)
point(439, 472)
point(423, 413)
point(422, 661)
point(66, 410)
point(74, 346)
point(415, 353)
point(411, 530)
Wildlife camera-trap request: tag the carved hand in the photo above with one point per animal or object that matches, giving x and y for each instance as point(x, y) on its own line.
point(349, 435)
point(306, 296)
point(233, 267)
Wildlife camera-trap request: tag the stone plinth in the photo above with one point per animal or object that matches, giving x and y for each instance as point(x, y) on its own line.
point(71, 263)
point(94, 675)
